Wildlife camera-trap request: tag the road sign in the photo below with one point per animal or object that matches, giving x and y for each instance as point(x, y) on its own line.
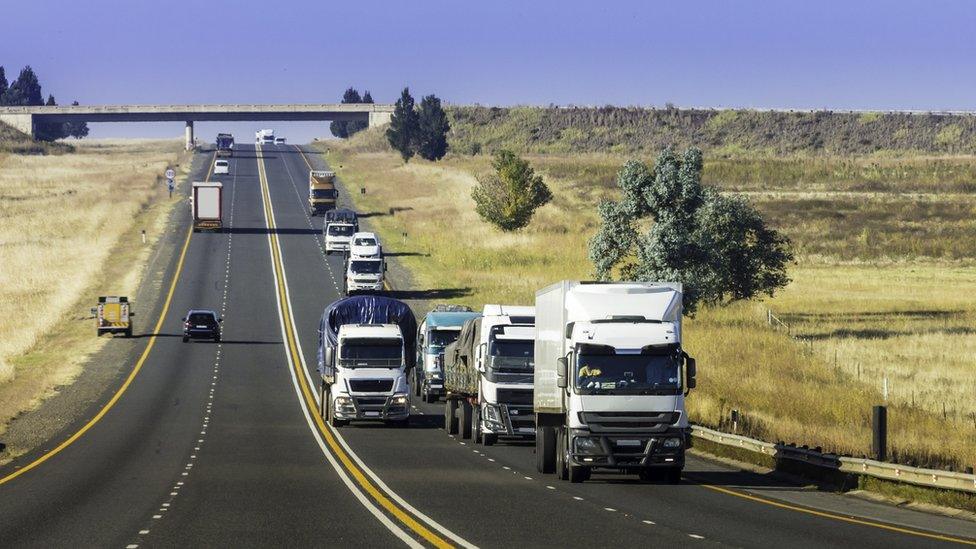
point(170, 174)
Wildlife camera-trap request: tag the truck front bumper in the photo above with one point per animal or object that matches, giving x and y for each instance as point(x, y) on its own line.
point(627, 450)
point(509, 420)
point(372, 407)
point(364, 287)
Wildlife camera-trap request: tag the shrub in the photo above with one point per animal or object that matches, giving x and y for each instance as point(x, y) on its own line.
point(508, 197)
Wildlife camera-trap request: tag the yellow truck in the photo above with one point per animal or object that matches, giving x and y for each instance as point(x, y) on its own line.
point(322, 194)
point(113, 315)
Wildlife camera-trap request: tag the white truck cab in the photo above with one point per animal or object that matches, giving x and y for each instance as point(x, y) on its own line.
point(369, 380)
point(337, 236)
point(505, 360)
point(365, 274)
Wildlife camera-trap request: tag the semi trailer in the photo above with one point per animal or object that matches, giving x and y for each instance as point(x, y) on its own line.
point(440, 327)
point(366, 353)
point(611, 379)
point(206, 204)
point(225, 144)
point(488, 375)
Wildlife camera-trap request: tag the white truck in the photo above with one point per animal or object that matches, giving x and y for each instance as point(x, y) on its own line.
point(366, 353)
point(611, 379)
point(264, 137)
point(206, 203)
point(338, 229)
point(488, 375)
point(365, 275)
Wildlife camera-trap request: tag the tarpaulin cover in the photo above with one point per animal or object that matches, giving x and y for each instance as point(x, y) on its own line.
point(342, 215)
point(367, 309)
point(460, 370)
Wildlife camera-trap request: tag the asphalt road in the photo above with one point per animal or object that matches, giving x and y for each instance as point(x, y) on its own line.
point(220, 445)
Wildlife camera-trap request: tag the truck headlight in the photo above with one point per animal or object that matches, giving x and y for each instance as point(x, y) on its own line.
point(587, 445)
point(399, 400)
point(343, 401)
point(671, 443)
point(492, 413)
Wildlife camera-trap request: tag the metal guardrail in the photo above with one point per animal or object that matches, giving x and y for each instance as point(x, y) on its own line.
point(932, 478)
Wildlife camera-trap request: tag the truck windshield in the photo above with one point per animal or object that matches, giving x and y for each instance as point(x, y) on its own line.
point(365, 267)
point(511, 355)
point(365, 241)
point(341, 230)
point(614, 374)
point(381, 352)
point(442, 338)
point(323, 193)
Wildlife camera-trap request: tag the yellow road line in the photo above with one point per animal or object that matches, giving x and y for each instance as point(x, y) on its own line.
point(132, 375)
point(337, 450)
point(833, 516)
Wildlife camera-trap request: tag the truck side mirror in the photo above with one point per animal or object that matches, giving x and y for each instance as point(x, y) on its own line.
point(691, 369)
point(562, 369)
point(93, 311)
point(329, 352)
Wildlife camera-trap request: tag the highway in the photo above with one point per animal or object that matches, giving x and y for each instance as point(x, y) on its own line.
point(221, 444)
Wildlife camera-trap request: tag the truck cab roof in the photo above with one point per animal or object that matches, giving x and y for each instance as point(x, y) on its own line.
point(369, 331)
point(448, 320)
point(624, 334)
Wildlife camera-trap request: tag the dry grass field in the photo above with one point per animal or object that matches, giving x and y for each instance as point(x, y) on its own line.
point(882, 286)
point(69, 230)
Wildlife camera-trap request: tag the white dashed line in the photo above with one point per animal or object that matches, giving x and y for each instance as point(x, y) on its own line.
point(696, 536)
point(577, 498)
point(651, 522)
point(611, 509)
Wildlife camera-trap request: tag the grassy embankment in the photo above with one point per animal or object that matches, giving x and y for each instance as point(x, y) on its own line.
point(70, 231)
point(882, 286)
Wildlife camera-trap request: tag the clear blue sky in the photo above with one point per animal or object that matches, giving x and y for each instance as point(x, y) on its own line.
point(783, 53)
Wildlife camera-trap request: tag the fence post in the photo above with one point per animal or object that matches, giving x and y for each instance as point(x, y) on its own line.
point(879, 428)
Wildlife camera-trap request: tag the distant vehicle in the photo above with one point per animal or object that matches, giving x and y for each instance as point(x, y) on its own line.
point(221, 167)
point(207, 205)
point(365, 244)
point(488, 374)
point(440, 327)
point(201, 324)
point(366, 352)
point(279, 141)
point(264, 137)
point(225, 144)
point(322, 194)
point(365, 274)
point(339, 227)
point(611, 379)
point(113, 315)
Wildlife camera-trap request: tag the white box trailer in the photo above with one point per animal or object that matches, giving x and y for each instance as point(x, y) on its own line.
point(610, 379)
point(207, 205)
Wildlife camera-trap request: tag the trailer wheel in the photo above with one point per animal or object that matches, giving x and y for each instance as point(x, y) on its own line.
point(128, 332)
point(450, 416)
point(673, 475)
point(464, 422)
point(545, 449)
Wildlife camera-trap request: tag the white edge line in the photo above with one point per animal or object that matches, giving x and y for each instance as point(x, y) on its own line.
point(396, 530)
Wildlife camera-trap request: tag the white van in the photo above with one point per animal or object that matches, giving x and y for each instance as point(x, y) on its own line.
point(221, 167)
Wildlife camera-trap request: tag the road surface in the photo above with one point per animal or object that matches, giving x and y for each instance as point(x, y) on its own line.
point(221, 444)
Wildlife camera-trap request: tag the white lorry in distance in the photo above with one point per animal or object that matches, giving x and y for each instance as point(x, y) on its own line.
point(338, 229)
point(365, 275)
point(264, 137)
point(365, 244)
point(366, 353)
point(488, 376)
point(221, 167)
point(206, 204)
point(611, 379)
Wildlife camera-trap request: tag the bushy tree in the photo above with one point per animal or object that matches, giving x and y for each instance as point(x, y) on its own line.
point(25, 91)
point(76, 129)
point(3, 85)
point(49, 131)
point(718, 247)
point(402, 133)
point(341, 128)
point(508, 197)
point(432, 128)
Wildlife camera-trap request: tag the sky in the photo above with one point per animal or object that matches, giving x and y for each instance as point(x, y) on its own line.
point(712, 53)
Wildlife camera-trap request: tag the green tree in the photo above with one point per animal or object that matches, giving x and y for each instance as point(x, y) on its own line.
point(367, 98)
point(508, 197)
point(403, 130)
point(341, 128)
point(76, 129)
point(3, 85)
point(432, 128)
point(718, 247)
point(25, 91)
point(49, 131)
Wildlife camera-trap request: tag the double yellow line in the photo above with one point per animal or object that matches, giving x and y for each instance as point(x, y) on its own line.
point(357, 474)
point(132, 375)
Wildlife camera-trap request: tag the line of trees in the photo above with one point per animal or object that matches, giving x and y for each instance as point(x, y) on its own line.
point(25, 91)
point(344, 129)
point(421, 131)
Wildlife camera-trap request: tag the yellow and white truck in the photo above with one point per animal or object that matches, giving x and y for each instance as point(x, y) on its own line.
point(322, 193)
point(113, 315)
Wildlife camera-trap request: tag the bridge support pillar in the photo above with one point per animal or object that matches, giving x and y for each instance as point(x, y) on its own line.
point(189, 135)
point(379, 118)
point(21, 122)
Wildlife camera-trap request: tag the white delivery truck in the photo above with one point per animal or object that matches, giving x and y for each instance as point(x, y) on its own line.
point(364, 275)
point(611, 379)
point(338, 229)
point(264, 137)
point(206, 204)
point(365, 356)
point(488, 376)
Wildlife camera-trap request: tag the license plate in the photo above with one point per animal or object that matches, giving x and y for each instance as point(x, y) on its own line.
point(201, 327)
point(513, 412)
point(628, 443)
point(371, 414)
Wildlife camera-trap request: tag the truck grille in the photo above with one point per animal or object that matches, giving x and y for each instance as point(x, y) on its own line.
point(370, 385)
point(518, 397)
point(609, 422)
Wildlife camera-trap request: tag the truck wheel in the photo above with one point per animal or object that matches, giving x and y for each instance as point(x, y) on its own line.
point(489, 439)
point(476, 423)
point(578, 474)
point(450, 416)
point(323, 395)
point(545, 449)
point(185, 339)
point(562, 443)
point(464, 422)
point(128, 332)
point(417, 391)
point(332, 418)
point(673, 475)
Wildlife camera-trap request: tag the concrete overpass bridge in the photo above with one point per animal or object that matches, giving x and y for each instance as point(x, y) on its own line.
point(26, 118)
